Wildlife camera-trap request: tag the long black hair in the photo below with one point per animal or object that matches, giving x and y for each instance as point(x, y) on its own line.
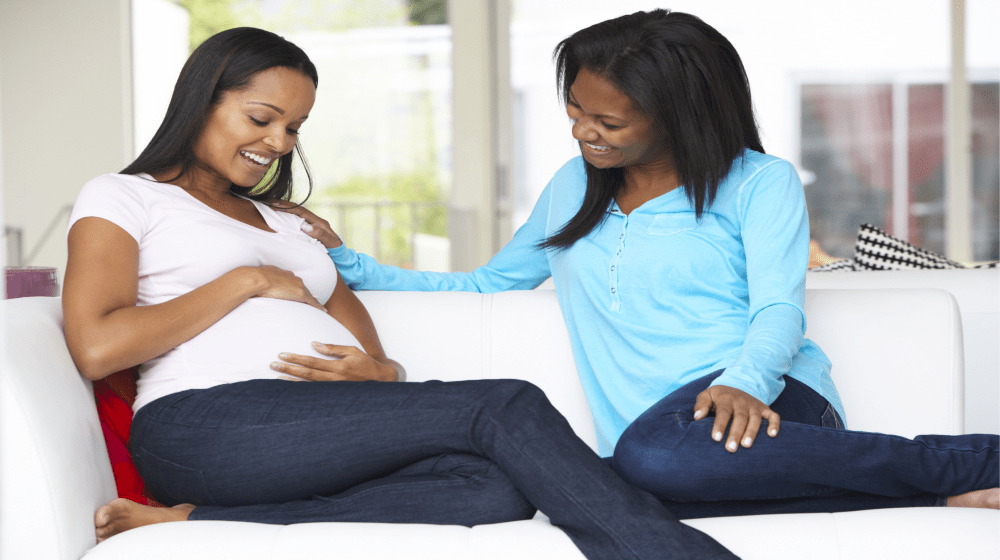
point(687, 78)
point(226, 61)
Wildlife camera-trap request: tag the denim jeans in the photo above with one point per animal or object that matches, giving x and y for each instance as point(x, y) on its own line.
point(462, 453)
point(813, 465)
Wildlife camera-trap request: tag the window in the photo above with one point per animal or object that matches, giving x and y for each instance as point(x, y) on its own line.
point(875, 153)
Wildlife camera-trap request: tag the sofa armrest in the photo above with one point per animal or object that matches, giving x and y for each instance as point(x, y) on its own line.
point(54, 467)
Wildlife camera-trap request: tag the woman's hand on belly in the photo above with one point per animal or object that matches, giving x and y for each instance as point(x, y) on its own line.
point(350, 364)
point(281, 284)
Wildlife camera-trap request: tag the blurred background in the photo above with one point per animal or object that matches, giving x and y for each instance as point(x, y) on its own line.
point(437, 124)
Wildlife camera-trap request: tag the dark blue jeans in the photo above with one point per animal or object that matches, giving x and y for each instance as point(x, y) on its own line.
point(813, 465)
point(462, 453)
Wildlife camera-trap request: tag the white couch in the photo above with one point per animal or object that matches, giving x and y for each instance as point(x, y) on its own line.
point(906, 343)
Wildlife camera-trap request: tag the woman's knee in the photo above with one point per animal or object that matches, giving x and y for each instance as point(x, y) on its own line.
point(506, 502)
point(651, 456)
point(515, 394)
point(485, 495)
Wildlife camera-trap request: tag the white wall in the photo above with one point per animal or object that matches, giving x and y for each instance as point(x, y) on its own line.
point(66, 106)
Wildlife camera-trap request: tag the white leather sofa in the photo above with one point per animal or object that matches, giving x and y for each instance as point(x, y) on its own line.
point(898, 361)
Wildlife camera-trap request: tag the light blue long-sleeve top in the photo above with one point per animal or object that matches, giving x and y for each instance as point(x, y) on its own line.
point(655, 299)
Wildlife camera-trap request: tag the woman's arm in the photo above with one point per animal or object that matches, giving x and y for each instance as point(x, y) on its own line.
point(774, 226)
point(106, 331)
point(520, 265)
point(351, 364)
point(775, 231)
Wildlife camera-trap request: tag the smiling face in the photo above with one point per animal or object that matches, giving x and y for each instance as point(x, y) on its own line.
point(251, 127)
point(612, 132)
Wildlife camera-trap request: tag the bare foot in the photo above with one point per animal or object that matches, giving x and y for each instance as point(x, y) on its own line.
point(989, 498)
point(121, 515)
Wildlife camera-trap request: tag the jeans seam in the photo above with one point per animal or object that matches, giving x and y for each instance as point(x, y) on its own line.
point(200, 472)
point(261, 424)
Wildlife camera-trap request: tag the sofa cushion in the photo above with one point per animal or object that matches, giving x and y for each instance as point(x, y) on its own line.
point(877, 250)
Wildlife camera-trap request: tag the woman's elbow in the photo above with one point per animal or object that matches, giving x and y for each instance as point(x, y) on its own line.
point(90, 365)
point(90, 360)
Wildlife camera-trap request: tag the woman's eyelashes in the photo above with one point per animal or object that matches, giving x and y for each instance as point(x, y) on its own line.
point(260, 123)
point(574, 109)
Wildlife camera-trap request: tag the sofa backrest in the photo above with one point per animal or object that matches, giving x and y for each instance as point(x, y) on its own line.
point(897, 357)
point(977, 292)
point(897, 354)
point(462, 335)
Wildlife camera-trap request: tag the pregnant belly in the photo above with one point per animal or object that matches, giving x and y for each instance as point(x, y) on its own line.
point(241, 346)
point(249, 338)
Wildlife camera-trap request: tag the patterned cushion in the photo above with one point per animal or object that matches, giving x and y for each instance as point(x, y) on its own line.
point(877, 250)
point(843, 264)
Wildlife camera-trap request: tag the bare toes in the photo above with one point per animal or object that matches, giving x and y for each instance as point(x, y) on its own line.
point(120, 515)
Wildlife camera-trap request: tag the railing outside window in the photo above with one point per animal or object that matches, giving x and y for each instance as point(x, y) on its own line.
point(388, 230)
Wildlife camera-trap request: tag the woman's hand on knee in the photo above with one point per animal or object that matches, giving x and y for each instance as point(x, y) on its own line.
point(349, 364)
point(745, 411)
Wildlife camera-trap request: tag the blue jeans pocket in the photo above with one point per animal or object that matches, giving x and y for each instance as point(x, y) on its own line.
point(831, 419)
point(170, 483)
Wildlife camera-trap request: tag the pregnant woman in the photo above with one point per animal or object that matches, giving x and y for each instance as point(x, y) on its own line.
point(180, 264)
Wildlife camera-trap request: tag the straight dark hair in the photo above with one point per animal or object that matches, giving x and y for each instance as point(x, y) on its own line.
point(687, 78)
point(226, 61)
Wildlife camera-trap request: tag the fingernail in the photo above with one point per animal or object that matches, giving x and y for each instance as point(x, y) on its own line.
point(731, 446)
point(306, 227)
point(275, 366)
point(717, 436)
point(317, 344)
point(773, 432)
point(747, 442)
point(284, 356)
point(698, 415)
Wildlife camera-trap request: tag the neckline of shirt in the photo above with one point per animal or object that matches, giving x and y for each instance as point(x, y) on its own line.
point(264, 214)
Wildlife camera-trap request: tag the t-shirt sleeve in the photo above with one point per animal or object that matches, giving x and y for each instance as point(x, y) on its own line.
point(113, 198)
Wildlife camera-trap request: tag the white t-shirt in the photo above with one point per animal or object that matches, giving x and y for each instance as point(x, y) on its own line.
point(184, 244)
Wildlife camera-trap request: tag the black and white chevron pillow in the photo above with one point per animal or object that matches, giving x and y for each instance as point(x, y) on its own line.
point(874, 249)
point(877, 250)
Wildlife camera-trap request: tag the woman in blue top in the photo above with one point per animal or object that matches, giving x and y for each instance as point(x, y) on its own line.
point(678, 250)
